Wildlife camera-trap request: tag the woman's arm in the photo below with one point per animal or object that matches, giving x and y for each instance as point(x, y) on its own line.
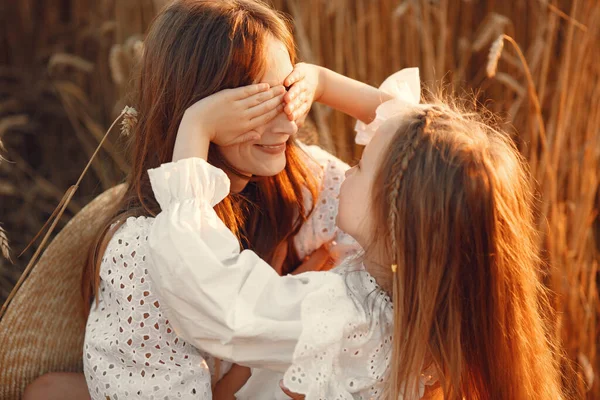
point(231, 382)
point(237, 376)
point(232, 305)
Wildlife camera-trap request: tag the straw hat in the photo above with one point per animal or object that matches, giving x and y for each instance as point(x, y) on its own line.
point(43, 328)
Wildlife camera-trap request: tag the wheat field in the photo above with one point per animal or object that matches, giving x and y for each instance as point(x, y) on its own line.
point(66, 64)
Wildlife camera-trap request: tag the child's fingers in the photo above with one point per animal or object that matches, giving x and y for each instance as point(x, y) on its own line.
point(264, 107)
point(303, 109)
point(289, 111)
point(317, 261)
point(301, 101)
point(261, 97)
point(340, 251)
point(300, 97)
point(292, 93)
point(290, 107)
point(288, 115)
point(295, 76)
point(295, 91)
point(247, 91)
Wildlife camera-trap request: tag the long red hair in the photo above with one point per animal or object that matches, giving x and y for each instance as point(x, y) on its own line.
point(195, 48)
point(453, 204)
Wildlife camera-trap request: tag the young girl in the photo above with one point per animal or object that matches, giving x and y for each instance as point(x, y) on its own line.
point(446, 300)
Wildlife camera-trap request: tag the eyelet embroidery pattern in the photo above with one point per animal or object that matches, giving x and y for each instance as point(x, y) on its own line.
point(345, 347)
point(130, 349)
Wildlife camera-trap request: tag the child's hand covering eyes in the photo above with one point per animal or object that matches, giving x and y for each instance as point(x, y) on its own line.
point(304, 88)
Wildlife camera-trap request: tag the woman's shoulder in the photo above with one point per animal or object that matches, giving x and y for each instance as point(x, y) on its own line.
point(132, 224)
point(133, 232)
point(361, 285)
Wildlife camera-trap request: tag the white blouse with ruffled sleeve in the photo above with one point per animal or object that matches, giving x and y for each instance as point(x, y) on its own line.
point(131, 349)
point(328, 332)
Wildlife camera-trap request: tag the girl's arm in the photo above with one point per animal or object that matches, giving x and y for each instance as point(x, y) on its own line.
point(350, 96)
point(310, 83)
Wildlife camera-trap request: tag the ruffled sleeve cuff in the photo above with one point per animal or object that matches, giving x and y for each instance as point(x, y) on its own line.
point(405, 87)
point(188, 178)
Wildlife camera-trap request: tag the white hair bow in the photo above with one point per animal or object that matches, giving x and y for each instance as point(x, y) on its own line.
point(405, 87)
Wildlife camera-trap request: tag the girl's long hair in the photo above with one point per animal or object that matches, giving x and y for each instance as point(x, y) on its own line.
point(453, 204)
point(195, 48)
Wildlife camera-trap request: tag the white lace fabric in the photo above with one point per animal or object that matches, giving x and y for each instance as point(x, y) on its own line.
point(344, 350)
point(130, 349)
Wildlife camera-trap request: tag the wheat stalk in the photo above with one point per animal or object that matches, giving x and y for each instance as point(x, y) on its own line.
point(494, 56)
point(2, 149)
point(130, 118)
point(61, 209)
point(62, 59)
point(4, 245)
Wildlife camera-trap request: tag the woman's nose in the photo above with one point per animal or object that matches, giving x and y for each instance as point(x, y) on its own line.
point(281, 124)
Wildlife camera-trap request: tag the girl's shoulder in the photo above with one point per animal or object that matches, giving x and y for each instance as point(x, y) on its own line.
point(344, 348)
point(127, 249)
point(363, 288)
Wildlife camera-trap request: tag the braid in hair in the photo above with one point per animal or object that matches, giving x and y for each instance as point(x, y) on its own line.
point(406, 153)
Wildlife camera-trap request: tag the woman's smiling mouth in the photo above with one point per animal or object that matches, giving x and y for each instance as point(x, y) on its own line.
point(272, 148)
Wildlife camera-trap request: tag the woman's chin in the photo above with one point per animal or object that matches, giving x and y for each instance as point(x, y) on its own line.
point(269, 168)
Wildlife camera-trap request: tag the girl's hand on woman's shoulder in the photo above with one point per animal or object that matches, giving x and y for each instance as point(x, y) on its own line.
point(322, 259)
point(231, 116)
point(305, 86)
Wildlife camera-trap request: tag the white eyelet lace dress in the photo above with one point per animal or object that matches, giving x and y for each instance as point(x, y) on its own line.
point(131, 349)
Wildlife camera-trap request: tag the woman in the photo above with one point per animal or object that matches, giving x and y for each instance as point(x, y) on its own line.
point(282, 203)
